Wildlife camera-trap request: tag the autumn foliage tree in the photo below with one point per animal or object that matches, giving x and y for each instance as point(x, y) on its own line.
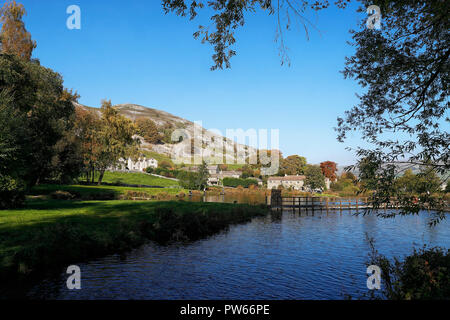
point(115, 138)
point(329, 169)
point(14, 37)
point(87, 125)
point(292, 165)
point(147, 129)
point(104, 139)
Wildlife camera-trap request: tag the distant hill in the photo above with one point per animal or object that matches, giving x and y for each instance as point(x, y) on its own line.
point(161, 118)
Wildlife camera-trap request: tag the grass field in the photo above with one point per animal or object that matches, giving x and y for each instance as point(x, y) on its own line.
point(53, 233)
point(157, 156)
point(136, 178)
point(88, 192)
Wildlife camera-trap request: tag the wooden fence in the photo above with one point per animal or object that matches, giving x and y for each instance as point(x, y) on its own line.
point(320, 203)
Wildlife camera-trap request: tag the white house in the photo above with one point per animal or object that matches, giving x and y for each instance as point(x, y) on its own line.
point(230, 174)
point(295, 182)
point(135, 165)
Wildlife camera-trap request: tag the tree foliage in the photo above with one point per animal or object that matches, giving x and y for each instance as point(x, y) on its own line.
point(293, 165)
point(194, 180)
point(404, 70)
point(87, 125)
point(115, 138)
point(14, 37)
point(41, 111)
point(416, 184)
point(229, 15)
point(422, 275)
point(147, 129)
point(236, 182)
point(202, 176)
point(314, 177)
point(346, 184)
point(329, 169)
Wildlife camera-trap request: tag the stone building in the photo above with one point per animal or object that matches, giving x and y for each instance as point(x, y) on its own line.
point(135, 165)
point(295, 182)
point(230, 174)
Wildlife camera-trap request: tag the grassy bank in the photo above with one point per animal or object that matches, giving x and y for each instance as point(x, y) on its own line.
point(136, 178)
point(87, 192)
point(47, 235)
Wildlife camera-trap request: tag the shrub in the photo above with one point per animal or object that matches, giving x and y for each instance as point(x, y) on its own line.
point(235, 182)
point(188, 180)
point(424, 275)
point(165, 164)
point(62, 195)
point(12, 192)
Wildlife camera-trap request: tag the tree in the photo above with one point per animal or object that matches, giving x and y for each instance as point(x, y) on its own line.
point(14, 37)
point(247, 171)
point(147, 129)
point(404, 68)
point(202, 176)
point(187, 179)
point(194, 180)
point(329, 169)
point(229, 15)
point(87, 126)
point(422, 275)
point(314, 177)
point(45, 110)
point(293, 165)
point(167, 129)
point(67, 163)
point(12, 186)
point(115, 138)
point(346, 184)
point(428, 181)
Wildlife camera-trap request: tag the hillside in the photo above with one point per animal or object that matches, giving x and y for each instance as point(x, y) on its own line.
point(162, 118)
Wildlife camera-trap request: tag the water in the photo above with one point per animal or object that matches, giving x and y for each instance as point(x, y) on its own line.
point(300, 256)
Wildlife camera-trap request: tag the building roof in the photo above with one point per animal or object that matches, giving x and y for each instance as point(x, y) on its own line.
point(287, 178)
point(231, 173)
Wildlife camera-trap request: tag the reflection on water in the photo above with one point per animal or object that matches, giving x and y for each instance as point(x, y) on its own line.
point(244, 197)
point(286, 255)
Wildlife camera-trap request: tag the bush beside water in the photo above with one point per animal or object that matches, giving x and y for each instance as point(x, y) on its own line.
point(235, 182)
point(424, 275)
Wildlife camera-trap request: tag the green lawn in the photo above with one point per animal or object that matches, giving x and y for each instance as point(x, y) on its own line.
point(136, 178)
point(157, 156)
point(89, 192)
point(54, 233)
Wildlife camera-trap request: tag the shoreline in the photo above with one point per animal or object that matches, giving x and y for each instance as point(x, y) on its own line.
point(45, 236)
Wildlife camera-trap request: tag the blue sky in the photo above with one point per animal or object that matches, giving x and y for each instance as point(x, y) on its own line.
point(131, 52)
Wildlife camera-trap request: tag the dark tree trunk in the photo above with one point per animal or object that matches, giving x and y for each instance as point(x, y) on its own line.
point(100, 178)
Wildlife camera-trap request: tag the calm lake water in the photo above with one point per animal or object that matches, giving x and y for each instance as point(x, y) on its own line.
point(297, 256)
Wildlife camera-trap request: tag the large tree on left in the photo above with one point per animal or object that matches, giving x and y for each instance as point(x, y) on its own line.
point(14, 37)
point(36, 112)
point(35, 96)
